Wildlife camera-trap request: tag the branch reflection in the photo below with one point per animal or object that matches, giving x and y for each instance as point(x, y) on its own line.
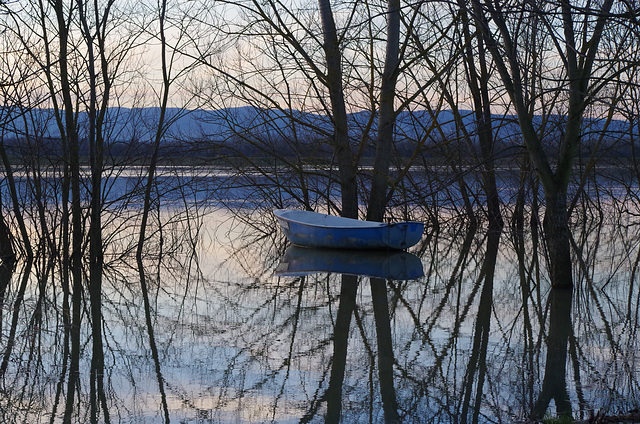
point(215, 331)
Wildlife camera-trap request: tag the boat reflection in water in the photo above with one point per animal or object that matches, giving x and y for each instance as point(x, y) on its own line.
point(394, 265)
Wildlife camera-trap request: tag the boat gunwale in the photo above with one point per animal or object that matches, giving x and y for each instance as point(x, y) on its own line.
point(362, 224)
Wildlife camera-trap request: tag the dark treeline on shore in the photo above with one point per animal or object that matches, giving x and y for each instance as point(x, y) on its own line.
point(271, 133)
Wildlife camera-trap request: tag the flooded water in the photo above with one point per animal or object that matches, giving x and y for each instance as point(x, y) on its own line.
point(235, 326)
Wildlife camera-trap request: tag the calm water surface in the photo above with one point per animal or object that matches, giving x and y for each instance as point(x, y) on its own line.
point(465, 328)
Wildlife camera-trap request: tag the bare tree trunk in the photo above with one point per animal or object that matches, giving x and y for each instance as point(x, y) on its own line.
point(69, 135)
point(7, 265)
point(96, 147)
point(557, 236)
point(7, 255)
point(484, 125)
point(17, 210)
point(15, 202)
point(6, 245)
point(346, 160)
point(478, 79)
point(386, 116)
point(160, 130)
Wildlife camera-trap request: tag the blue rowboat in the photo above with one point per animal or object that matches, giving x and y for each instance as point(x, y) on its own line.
point(312, 229)
point(387, 264)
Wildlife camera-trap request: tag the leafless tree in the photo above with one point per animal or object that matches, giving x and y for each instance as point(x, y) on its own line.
point(344, 67)
point(572, 84)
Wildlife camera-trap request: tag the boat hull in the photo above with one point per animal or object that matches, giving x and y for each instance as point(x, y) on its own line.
point(311, 229)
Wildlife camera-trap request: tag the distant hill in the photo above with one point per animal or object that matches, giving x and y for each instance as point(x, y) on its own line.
point(252, 130)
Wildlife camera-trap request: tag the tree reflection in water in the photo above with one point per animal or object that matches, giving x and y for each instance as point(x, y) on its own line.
point(205, 332)
point(554, 384)
point(346, 307)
